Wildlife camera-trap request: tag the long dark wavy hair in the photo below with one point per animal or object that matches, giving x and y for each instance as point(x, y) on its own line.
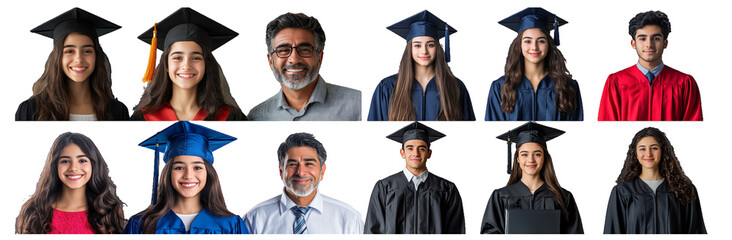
point(547, 174)
point(212, 93)
point(51, 89)
point(401, 107)
point(669, 167)
point(212, 198)
point(104, 208)
point(566, 100)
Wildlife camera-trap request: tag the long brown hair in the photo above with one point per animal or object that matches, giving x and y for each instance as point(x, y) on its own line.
point(51, 89)
point(669, 167)
point(104, 208)
point(212, 198)
point(212, 93)
point(401, 107)
point(554, 63)
point(547, 174)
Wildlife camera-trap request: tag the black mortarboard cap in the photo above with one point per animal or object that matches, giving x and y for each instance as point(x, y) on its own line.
point(534, 18)
point(184, 138)
point(75, 20)
point(528, 132)
point(416, 130)
point(424, 24)
point(186, 24)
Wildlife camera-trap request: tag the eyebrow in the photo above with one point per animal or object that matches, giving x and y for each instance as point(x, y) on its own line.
point(536, 38)
point(421, 41)
point(181, 162)
point(78, 156)
point(70, 45)
point(181, 52)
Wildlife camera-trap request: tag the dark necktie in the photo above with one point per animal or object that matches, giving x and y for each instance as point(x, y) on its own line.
point(649, 76)
point(300, 225)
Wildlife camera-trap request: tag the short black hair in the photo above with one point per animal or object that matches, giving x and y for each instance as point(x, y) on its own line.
point(643, 19)
point(301, 140)
point(296, 20)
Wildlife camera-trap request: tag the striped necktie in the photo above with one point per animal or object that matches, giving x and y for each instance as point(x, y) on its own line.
point(649, 76)
point(300, 225)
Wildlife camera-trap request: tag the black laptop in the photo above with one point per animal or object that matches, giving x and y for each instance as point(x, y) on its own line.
point(532, 221)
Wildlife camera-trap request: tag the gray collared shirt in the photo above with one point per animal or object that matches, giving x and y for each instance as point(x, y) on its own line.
point(328, 102)
point(656, 70)
point(416, 179)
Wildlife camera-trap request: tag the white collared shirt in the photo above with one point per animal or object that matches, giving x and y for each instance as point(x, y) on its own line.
point(326, 215)
point(417, 179)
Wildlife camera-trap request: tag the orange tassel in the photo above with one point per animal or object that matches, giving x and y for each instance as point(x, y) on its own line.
point(153, 55)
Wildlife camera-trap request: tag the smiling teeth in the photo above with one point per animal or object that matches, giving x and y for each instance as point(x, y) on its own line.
point(74, 177)
point(190, 184)
point(295, 70)
point(78, 69)
point(185, 75)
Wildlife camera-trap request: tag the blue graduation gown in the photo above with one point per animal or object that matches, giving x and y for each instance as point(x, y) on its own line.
point(204, 223)
point(530, 105)
point(426, 105)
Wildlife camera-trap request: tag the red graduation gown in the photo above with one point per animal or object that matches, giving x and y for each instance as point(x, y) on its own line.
point(166, 113)
point(628, 96)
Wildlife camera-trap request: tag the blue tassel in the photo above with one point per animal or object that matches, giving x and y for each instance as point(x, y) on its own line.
point(155, 176)
point(447, 43)
point(556, 31)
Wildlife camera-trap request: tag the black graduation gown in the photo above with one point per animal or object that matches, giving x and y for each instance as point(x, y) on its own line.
point(27, 110)
point(633, 208)
point(395, 208)
point(518, 196)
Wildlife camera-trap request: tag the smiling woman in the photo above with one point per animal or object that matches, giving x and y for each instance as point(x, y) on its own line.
point(188, 83)
point(76, 83)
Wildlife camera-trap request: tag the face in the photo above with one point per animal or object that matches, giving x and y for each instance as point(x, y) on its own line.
point(648, 152)
point(188, 175)
point(534, 45)
point(186, 65)
point(649, 43)
point(423, 50)
point(531, 158)
point(294, 72)
point(74, 167)
point(302, 171)
point(78, 57)
point(416, 153)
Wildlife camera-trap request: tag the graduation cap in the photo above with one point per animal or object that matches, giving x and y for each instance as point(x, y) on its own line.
point(534, 18)
point(417, 131)
point(185, 24)
point(184, 139)
point(75, 20)
point(424, 24)
point(528, 132)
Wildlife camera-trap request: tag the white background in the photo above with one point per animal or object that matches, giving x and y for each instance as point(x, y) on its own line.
point(359, 53)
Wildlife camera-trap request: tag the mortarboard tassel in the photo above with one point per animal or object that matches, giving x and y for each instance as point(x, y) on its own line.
point(447, 43)
point(149, 72)
point(556, 31)
point(155, 175)
point(508, 145)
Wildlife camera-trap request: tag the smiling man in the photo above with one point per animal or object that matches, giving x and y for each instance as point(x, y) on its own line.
point(295, 45)
point(301, 209)
point(650, 90)
point(415, 201)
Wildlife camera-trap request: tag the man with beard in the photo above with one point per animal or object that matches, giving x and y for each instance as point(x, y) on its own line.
point(414, 200)
point(301, 209)
point(649, 90)
point(295, 45)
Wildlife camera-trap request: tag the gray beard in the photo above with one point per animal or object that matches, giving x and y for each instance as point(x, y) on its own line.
point(296, 83)
point(300, 192)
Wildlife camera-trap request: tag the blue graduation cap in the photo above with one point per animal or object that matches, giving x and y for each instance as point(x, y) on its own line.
point(184, 139)
point(424, 24)
point(75, 20)
point(528, 132)
point(534, 18)
point(416, 130)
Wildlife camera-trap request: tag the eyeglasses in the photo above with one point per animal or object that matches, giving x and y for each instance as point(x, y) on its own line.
point(303, 51)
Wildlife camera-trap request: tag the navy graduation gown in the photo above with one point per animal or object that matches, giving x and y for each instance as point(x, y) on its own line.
point(634, 208)
point(426, 105)
point(395, 207)
point(530, 105)
point(204, 223)
point(518, 196)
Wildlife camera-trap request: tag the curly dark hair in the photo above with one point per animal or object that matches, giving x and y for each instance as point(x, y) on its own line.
point(104, 208)
point(554, 63)
point(669, 167)
point(643, 19)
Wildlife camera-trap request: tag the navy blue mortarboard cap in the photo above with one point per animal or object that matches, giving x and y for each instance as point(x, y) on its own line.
point(416, 130)
point(75, 20)
point(424, 24)
point(534, 18)
point(528, 132)
point(186, 24)
point(184, 139)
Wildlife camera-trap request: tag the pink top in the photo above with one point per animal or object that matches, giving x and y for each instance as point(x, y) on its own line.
point(70, 223)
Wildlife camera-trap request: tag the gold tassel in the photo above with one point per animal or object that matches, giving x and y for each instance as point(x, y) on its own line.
point(153, 55)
